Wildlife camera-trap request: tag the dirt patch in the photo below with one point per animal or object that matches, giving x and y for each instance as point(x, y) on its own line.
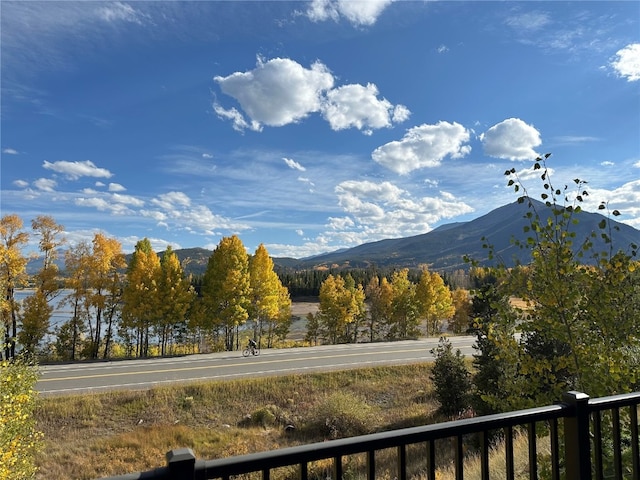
point(301, 309)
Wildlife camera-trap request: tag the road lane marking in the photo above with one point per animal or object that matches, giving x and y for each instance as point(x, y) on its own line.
point(217, 377)
point(209, 367)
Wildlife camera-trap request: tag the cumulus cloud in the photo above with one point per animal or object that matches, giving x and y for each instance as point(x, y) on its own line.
point(358, 106)
point(279, 91)
point(627, 62)
point(424, 146)
point(9, 151)
point(21, 183)
point(75, 170)
point(127, 200)
point(104, 205)
point(171, 200)
point(359, 13)
point(45, 184)
point(116, 187)
point(511, 139)
point(293, 164)
point(383, 210)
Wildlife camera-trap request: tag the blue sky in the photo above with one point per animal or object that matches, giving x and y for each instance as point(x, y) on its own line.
point(309, 126)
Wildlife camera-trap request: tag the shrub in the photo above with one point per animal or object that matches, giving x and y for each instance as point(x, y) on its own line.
point(451, 379)
point(342, 415)
point(19, 439)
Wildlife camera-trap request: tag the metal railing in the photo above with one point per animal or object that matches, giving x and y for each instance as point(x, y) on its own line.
point(596, 437)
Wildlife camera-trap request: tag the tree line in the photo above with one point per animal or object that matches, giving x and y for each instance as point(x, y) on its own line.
point(137, 308)
point(147, 305)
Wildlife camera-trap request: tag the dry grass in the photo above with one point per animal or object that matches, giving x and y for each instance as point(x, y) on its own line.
point(92, 436)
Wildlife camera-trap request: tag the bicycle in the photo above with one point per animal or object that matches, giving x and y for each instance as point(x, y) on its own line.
point(250, 350)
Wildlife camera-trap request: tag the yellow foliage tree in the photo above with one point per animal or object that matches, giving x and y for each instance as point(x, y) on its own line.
point(19, 438)
point(226, 289)
point(13, 274)
point(434, 301)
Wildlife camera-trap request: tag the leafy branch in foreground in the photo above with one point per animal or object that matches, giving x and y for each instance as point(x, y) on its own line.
point(19, 439)
point(579, 316)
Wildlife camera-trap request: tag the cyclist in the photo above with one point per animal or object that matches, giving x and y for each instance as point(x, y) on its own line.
point(252, 345)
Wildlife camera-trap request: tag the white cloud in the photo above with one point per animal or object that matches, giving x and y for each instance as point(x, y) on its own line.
point(127, 200)
point(239, 123)
point(293, 164)
point(75, 170)
point(424, 146)
point(207, 155)
point(358, 106)
point(103, 205)
point(627, 62)
point(625, 198)
point(383, 210)
point(45, 184)
point(21, 183)
point(116, 187)
point(171, 200)
point(511, 139)
point(120, 12)
point(277, 92)
point(10, 151)
point(442, 49)
point(280, 91)
point(528, 21)
point(357, 12)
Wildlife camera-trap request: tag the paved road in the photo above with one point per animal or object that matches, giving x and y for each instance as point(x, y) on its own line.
point(142, 374)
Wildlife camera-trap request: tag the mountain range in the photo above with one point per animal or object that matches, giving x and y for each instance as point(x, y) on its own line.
point(444, 248)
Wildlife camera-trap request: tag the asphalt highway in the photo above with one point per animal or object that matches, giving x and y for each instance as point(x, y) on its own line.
point(82, 378)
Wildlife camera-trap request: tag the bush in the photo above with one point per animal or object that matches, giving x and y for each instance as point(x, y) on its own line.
point(19, 439)
point(266, 416)
point(451, 379)
point(342, 415)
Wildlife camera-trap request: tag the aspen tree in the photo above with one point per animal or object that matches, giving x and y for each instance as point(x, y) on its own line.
point(141, 304)
point(13, 274)
point(341, 308)
point(405, 320)
point(106, 260)
point(380, 297)
point(265, 292)
point(226, 289)
point(69, 339)
point(433, 298)
point(175, 294)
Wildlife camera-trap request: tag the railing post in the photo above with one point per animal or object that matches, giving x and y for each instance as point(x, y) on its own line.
point(577, 448)
point(182, 464)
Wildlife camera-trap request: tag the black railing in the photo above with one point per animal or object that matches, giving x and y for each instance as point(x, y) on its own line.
point(596, 439)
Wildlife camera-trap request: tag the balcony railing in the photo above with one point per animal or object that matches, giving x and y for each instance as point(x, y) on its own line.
point(588, 439)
